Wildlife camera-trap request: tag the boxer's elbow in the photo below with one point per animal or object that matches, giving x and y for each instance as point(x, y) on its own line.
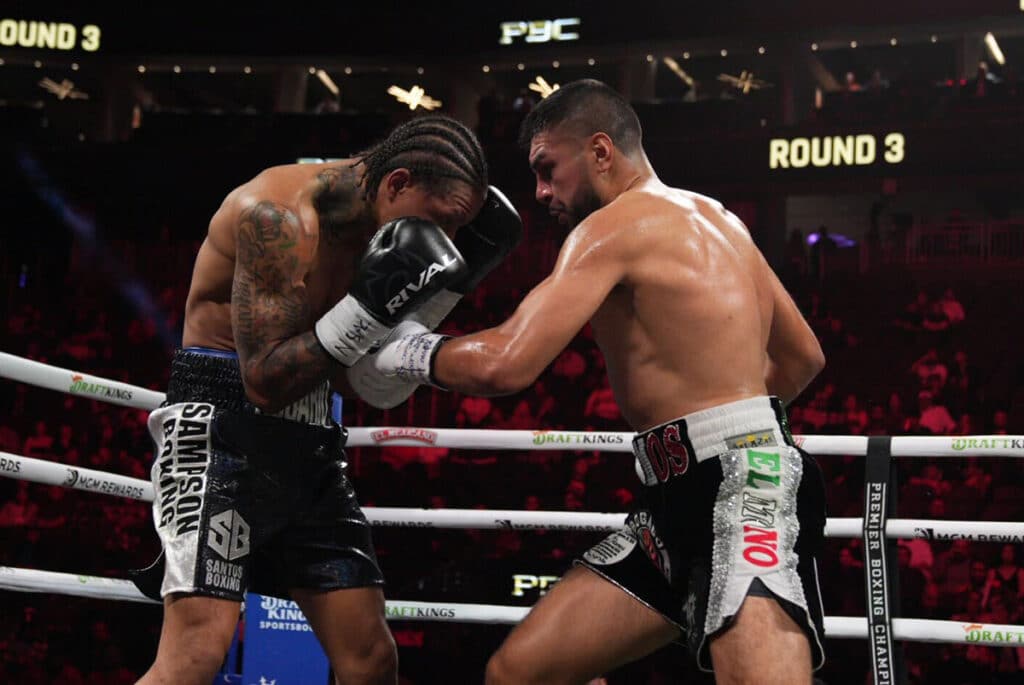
point(503, 380)
point(260, 400)
point(503, 372)
point(814, 359)
point(258, 392)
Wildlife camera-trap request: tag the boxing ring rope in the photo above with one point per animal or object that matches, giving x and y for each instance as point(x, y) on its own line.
point(839, 627)
point(91, 480)
point(124, 394)
point(77, 383)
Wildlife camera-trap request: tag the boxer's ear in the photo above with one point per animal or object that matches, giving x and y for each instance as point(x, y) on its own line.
point(603, 151)
point(395, 183)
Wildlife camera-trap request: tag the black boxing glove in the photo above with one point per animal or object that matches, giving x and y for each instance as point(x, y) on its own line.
point(483, 243)
point(408, 261)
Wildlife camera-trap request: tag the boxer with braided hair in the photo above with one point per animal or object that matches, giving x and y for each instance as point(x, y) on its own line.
point(251, 487)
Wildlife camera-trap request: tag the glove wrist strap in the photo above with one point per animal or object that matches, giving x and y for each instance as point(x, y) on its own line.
point(416, 358)
point(348, 331)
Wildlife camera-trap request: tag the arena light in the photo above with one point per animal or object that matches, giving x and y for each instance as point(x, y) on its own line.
point(328, 82)
point(414, 97)
point(540, 85)
point(993, 49)
point(64, 90)
point(678, 70)
point(744, 82)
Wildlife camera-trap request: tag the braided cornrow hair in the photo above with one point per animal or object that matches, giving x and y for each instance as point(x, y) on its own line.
point(435, 148)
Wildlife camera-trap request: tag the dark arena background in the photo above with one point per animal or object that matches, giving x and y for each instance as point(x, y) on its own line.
point(874, 149)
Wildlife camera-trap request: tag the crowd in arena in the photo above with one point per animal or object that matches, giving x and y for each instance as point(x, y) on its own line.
point(929, 377)
point(907, 355)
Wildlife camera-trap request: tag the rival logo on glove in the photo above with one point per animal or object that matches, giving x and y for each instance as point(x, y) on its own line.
point(399, 300)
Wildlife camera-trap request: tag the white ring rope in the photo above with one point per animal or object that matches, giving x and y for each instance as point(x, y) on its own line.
point(97, 388)
point(77, 383)
point(93, 387)
point(916, 629)
point(90, 480)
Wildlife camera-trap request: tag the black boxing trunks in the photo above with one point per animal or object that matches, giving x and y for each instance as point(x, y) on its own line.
point(246, 501)
point(731, 508)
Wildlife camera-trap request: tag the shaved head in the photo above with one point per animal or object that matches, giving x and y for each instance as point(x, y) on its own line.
point(581, 109)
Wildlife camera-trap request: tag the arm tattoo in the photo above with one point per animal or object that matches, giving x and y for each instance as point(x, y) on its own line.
point(270, 315)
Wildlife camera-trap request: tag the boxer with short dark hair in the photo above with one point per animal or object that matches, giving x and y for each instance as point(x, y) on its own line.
point(704, 346)
point(287, 295)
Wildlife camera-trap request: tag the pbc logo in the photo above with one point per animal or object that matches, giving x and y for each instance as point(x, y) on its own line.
point(539, 31)
point(229, 535)
point(666, 452)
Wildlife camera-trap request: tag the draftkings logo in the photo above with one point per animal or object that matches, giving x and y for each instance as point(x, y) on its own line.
point(976, 632)
point(411, 612)
point(555, 438)
point(79, 386)
point(990, 443)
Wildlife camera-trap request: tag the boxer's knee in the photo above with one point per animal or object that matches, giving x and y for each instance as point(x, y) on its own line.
point(373, 663)
point(506, 667)
point(195, 638)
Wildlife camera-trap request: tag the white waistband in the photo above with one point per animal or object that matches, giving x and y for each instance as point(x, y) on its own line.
point(743, 424)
